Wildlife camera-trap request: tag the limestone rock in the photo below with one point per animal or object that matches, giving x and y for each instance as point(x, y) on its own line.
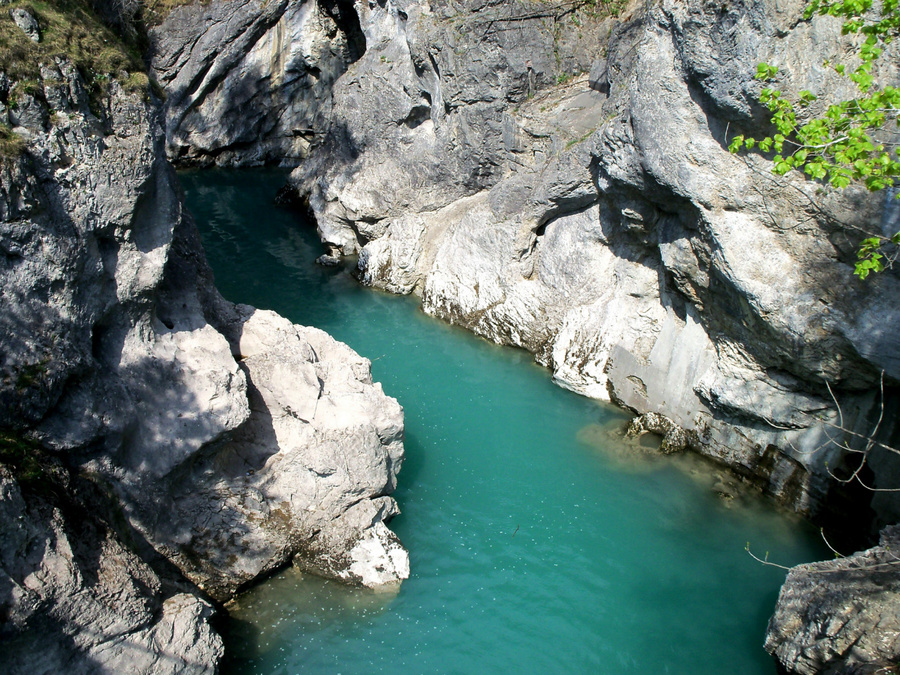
point(840, 616)
point(26, 21)
point(76, 600)
point(603, 225)
point(674, 438)
point(249, 82)
point(305, 477)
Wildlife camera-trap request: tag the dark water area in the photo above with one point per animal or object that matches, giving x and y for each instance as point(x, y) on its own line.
point(540, 542)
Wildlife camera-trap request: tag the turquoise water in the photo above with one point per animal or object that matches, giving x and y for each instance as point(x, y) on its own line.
point(539, 541)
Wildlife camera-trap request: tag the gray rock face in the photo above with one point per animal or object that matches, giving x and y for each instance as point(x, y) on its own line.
point(425, 116)
point(841, 616)
point(26, 21)
point(227, 440)
point(562, 183)
point(603, 225)
point(306, 476)
point(75, 600)
point(250, 82)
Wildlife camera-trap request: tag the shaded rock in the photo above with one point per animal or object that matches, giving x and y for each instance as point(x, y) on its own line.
point(250, 82)
point(28, 112)
point(841, 616)
point(75, 600)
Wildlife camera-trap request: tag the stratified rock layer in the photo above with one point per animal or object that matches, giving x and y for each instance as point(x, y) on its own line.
point(841, 616)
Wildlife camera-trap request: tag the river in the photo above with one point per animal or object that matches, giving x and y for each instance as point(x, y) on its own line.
point(540, 541)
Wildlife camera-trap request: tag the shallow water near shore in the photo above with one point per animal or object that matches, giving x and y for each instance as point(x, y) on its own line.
point(539, 541)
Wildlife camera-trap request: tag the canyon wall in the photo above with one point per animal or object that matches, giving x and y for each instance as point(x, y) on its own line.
point(160, 448)
point(542, 175)
point(557, 180)
point(603, 225)
point(560, 181)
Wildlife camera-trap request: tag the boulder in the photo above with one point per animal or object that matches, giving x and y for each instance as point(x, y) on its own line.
point(840, 616)
point(304, 478)
point(26, 21)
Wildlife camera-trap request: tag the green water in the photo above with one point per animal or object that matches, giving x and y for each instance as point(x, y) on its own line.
point(539, 542)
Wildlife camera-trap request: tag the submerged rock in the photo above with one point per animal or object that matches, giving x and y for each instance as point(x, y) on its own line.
point(841, 616)
point(674, 438)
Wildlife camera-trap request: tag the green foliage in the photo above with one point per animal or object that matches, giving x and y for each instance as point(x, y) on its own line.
point(23, 457)
point(71, 29)
point(839, 146)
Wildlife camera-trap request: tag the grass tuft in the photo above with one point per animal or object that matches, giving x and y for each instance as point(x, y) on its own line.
point(23, 457)
point(70, 29)
point(11, 144)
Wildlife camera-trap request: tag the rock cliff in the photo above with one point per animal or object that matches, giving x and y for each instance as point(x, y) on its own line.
point(160, 447)
point(561, 182)
point(250, 82)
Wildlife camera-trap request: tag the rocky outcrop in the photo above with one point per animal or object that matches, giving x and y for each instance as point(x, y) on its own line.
point(841, 616)
point(305, 477)
point(74, 599)
point(222, 442)
point(249, 83)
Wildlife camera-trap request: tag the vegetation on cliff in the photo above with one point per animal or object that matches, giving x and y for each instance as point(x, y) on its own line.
point(71, 29)
point(847, 142)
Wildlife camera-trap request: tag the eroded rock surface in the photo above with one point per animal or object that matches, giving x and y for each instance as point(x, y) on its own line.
point(601, 223)
point(75, 600)
point(250, 82)
point(841, 616)
point(307, 476)
point(225, 442)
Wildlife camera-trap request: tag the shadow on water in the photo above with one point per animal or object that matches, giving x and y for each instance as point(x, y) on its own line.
point(263, 619)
